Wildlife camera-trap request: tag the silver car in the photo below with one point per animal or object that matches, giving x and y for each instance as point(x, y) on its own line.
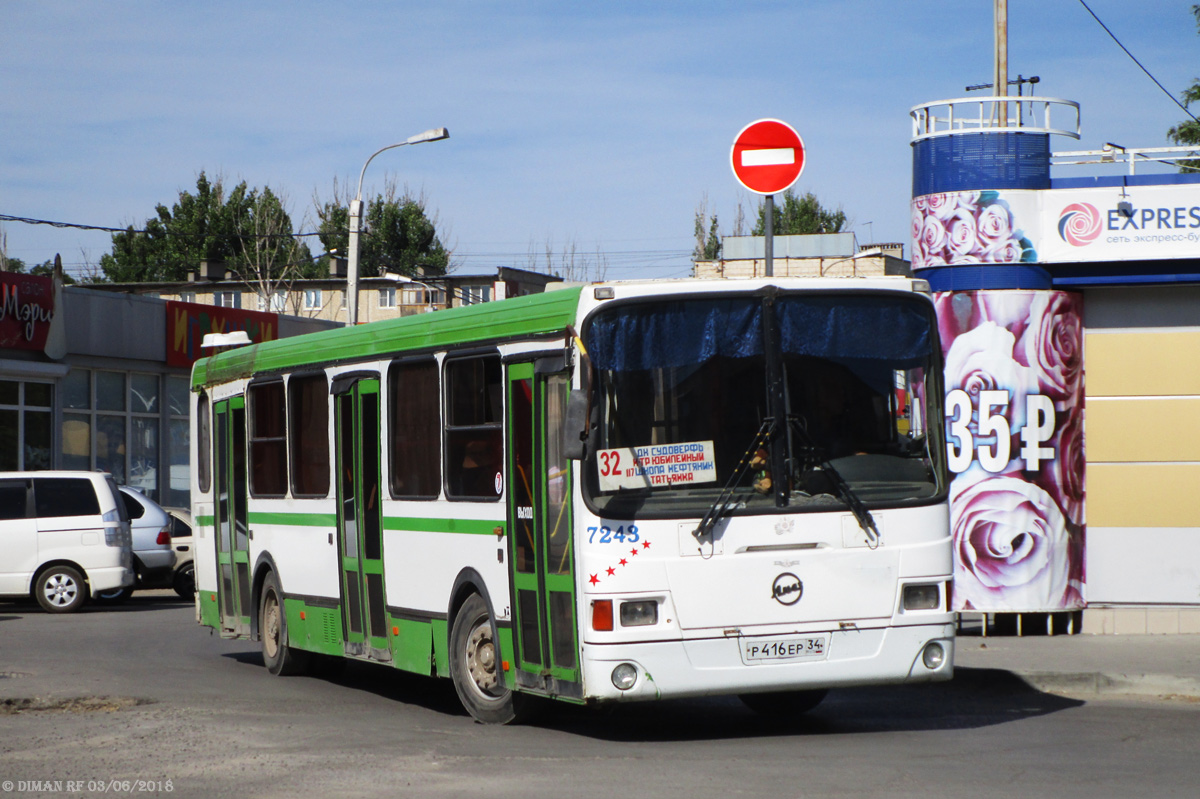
point(153, 554)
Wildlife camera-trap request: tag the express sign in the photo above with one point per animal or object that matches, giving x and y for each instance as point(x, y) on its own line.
point(767, 156)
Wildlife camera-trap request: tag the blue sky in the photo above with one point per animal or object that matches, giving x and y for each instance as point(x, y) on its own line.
point(601, 125)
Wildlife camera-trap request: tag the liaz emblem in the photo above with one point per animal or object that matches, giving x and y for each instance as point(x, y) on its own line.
point(787, 589)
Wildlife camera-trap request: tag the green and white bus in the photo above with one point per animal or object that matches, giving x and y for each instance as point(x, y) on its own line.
point(611, 492)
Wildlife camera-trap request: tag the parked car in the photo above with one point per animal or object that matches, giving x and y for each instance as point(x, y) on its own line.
point(184, 578)
point(153, 555)
point(65, 538)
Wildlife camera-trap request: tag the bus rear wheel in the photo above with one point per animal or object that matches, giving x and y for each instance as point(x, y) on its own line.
point(279, 658)
point(475, 667)
point(783, 704)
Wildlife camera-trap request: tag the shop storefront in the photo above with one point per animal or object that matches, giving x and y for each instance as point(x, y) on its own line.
point(99, 380)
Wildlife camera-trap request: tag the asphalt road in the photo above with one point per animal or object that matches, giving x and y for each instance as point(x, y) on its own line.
point(141, 700)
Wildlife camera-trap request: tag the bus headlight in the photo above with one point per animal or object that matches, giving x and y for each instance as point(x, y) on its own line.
point(933, 656)
point(624, 676)
point(922, 597)
point(639, 614)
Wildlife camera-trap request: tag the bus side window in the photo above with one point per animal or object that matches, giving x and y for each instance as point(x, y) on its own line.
point(268, 443)
point(203, 444)
point(474, 430)
point(308, 403)
point(414, 429)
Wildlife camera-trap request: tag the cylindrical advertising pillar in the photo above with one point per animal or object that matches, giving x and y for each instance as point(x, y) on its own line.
point(1014, 411)
point(1014, 377)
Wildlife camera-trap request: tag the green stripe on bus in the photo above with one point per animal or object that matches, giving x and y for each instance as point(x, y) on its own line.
point(519, 317)
point(294, 519)
point(467, 526)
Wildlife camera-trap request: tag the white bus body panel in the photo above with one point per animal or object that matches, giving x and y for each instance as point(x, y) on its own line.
point(712, 596)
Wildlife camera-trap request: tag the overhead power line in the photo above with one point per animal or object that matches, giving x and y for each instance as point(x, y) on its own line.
point(131, 229)
point(1139, 63)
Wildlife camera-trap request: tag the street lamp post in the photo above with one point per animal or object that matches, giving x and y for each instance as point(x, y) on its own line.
point(433, 134)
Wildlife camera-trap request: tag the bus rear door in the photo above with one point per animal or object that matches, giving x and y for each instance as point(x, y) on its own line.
point(360, 517)
point(232, 522)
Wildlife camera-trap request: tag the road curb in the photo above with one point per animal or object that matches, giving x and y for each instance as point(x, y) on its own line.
point(1097, 683)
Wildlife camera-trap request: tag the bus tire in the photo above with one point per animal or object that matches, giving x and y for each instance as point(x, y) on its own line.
point(279, 658)
point(475, 667)
point(783, 704)
point(60, 589)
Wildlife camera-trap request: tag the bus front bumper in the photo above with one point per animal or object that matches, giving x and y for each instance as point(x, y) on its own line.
point(720, 665)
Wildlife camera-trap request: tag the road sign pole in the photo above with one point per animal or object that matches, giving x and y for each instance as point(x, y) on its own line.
point(767, 157)
point(769, 236)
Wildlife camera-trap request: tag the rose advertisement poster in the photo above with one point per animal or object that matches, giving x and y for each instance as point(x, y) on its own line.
point(1014, 423)
point(1056, 225)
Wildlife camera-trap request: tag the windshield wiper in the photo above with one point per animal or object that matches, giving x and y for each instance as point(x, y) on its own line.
point(841, 488)
point(720, 507)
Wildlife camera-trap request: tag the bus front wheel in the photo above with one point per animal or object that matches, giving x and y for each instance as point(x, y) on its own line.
point(279, 658)
point(475, 666)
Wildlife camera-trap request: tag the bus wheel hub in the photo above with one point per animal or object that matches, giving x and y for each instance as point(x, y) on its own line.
point(481, 658)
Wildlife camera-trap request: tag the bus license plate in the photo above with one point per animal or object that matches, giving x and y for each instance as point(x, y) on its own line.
point(775, 650)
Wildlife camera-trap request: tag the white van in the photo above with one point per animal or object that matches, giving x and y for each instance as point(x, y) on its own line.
point(64, 537)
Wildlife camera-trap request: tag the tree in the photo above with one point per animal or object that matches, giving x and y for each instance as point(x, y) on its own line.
point(397, 234)
point(199, 227)
point(1187, 133)
point(248, 230)
point(271, 257)
point(567, 262)
point(799, 215)
point(708, 240)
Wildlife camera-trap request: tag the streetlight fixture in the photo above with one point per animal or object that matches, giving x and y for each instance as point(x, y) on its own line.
point(433, 134)
point(402, 279)
point(874, 251)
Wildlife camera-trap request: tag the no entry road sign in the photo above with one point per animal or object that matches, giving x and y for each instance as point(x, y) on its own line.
point(767, 156)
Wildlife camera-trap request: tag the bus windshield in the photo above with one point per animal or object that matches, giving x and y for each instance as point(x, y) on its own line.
point(761, 400)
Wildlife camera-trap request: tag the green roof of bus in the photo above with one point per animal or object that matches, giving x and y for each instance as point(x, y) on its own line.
point(533, 315)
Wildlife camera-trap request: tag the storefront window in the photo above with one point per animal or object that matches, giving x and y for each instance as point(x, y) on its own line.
point(118, 422)
point(26, 425)
point(10, 442)
point(76, 441)
point(143, 395)
point(39, 440)
point(176, 493)
point(175, 488)
point(143, 455)
point(39, 395)
point(110, 446)
point(177, 395)
point(76, 389)
point(110, 391)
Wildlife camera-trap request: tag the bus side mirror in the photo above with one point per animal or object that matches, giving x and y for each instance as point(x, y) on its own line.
point(575, 425)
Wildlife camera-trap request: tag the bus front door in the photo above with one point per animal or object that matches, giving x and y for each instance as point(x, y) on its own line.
point(541, 552)
point(360, 518)
point(233, 529)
